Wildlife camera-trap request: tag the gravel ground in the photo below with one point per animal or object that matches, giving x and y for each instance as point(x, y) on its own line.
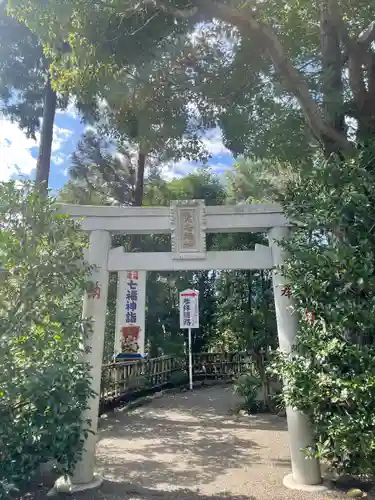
point(188, 446)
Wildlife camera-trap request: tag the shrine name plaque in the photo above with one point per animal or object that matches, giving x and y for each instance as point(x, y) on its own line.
point(188, 229)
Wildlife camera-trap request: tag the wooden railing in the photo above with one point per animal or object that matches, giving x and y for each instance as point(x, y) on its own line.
point(208, 365)
point(125, 381)
point(129, 377)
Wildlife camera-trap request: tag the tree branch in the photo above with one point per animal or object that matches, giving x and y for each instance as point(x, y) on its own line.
point(355, 51)
point(296, 83)
point(168, 9)
point(335, 14)
point(331, 74)
point(368, 35)
point(245, 19)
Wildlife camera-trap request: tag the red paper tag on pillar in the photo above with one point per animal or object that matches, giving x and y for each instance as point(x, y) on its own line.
point(96, 292)
point(310, 317)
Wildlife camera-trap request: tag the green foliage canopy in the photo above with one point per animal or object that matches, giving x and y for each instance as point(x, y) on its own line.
point(291, 66)
point(331, 273)
point(44, 383)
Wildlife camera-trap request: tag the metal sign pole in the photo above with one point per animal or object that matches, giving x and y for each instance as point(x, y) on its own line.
point(190, 362)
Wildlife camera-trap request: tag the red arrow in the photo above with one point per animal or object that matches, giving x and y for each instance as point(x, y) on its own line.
point(192, 294)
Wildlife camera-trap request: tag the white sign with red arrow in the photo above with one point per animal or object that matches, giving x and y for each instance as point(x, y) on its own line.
point(189, 309)
point(189, 318)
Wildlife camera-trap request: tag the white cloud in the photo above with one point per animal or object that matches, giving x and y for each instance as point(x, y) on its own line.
point(70, 111)
point(60, 136)
point(15, 149)
point(219, 167)
point(90, 129)
point(213, 141)
point(59, 158)
point(185, 167)
point(180, 169)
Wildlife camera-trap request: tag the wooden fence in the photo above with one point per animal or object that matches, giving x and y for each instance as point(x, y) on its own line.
point(119, 379)
point(127, 380)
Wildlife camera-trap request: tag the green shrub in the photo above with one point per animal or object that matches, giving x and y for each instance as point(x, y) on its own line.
point(247, 387)
point(331, 271)
point(179, 378)
point(278, 403)
point(44, 384)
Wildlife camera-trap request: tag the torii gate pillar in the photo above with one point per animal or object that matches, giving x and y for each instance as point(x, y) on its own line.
point(306, 473)
point(94, 307)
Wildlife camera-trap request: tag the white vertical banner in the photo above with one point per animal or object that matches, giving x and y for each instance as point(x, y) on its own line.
point(130, 315)
point(189, 309)
point(189, 318)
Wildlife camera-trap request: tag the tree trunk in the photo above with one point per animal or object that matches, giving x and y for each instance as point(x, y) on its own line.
point(45, 147)
point(332, 86)
point(139, 180)
point(366, 127)
point(136, 239)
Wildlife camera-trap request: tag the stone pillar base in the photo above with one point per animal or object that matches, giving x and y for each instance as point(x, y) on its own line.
point(63, 485)
point(289, 483)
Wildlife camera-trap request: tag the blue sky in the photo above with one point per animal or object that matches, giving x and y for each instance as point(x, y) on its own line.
point(17, 152)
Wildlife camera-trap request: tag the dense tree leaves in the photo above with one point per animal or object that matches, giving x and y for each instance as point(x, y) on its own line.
point(257, 116)
point(44, 384)
point(258, 181)
point(22, 72)
point(104, 168)
point(310, 60)
point(331, 273)
point(148, 111)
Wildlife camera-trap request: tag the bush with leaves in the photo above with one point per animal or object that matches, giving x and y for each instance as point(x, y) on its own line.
point(44, 382)
point(247, 386)
point(331, 271)
point(179, 378)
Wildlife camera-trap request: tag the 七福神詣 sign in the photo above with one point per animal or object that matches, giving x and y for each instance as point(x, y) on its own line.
point(130, 315)
point(189, 318)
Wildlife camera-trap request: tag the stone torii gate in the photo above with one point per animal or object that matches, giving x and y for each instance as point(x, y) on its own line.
point(187, 222)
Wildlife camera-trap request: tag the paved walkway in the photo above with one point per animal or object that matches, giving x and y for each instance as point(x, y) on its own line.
point(189, 446)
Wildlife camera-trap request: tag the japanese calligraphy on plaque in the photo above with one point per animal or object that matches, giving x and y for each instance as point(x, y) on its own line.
point(130, 315)
point(188, 229)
